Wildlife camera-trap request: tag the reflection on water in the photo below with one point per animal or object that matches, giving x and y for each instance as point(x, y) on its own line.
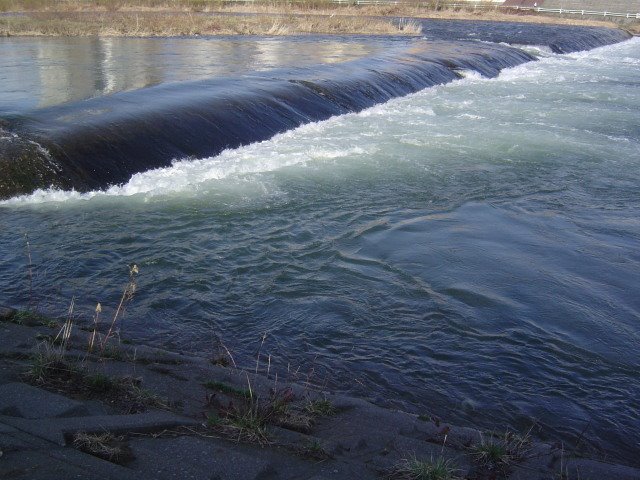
point(36, 72)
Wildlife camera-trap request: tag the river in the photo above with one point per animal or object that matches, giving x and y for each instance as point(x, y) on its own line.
point(470, 251)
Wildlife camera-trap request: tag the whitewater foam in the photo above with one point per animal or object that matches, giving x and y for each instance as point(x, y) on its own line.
point(299, 147)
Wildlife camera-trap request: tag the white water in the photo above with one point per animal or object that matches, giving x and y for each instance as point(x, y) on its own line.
point(457, 116)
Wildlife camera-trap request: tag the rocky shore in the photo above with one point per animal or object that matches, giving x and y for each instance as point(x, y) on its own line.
point(128, 411)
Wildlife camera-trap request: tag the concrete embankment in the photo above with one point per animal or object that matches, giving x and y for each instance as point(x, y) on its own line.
point(141, 413)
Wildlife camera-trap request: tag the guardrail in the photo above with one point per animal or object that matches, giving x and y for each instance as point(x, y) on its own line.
point(577, 12)
point(476, 5)
point(469, 5)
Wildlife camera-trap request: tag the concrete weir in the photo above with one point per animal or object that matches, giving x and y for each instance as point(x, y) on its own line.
point(103, 141)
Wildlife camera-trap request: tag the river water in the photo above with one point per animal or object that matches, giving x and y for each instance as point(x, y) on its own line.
point(470, 251)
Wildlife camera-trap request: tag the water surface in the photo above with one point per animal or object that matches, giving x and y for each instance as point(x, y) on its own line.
point(36, 72)
point(471, 251)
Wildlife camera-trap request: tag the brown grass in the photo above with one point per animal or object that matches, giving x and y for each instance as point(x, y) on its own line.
point(103, 445)
point(633, 28)
point(148, 24)
point(183, 24)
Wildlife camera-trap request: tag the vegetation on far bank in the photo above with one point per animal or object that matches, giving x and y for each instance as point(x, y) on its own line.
point(149, 24)
point(279, 17)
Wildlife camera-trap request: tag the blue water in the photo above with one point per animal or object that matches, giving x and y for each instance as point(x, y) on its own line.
point(470, 251)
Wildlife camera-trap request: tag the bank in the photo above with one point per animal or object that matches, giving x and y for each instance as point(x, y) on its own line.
point(130, 411)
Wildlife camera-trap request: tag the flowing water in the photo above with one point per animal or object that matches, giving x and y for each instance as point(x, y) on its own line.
point(41, 73)
point(471, 250)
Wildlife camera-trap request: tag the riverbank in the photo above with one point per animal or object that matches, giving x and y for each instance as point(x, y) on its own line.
point(145, 18)
point(62, 414)
point(164, 24)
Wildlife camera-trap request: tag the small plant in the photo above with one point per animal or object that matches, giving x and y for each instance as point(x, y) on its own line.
point(491, 454)
point(433, 469)
point(65, 332)
point(47, 362)
point(94, 332)
point(31, 317)
point(129, 393)
point(250, 423)
point(498, 453)
point(247, 415)
point(30, 268)
point(127, 295)
point(517, 445)
point(322, 407)
point(313, 449)
point(245, 420)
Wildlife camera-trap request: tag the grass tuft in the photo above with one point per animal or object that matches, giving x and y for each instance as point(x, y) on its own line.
point(32, 318)
point(498, 453)
point(246, 416)
point(52, 371)
point(47, 362)
point(314, 450)
point(322, 407)
point(433, 469)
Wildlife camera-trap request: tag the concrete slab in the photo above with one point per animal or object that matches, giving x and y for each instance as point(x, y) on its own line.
point(594, 470)
point(55, 429)
point(59, 464)
point(16, 338)
point(194, 458)
point(26, 401)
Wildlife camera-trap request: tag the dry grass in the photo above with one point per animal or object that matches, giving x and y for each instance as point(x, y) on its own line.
point(103, 445)
point(408, 10)
point(633, 28)
point(184, 17)
point(149, 24)
point(432, 469)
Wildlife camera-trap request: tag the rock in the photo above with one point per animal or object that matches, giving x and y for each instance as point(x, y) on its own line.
point(6, 313)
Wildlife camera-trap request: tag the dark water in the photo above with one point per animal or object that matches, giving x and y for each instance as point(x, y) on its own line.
point(471, 251)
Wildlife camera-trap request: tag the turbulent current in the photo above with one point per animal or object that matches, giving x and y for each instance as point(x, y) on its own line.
point(469, 250)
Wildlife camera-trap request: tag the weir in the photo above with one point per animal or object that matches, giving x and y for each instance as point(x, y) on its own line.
point(103, 141)
point(558, 38)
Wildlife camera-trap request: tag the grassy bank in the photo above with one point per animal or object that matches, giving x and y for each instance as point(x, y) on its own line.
point(188, 17)
point(146, 24)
